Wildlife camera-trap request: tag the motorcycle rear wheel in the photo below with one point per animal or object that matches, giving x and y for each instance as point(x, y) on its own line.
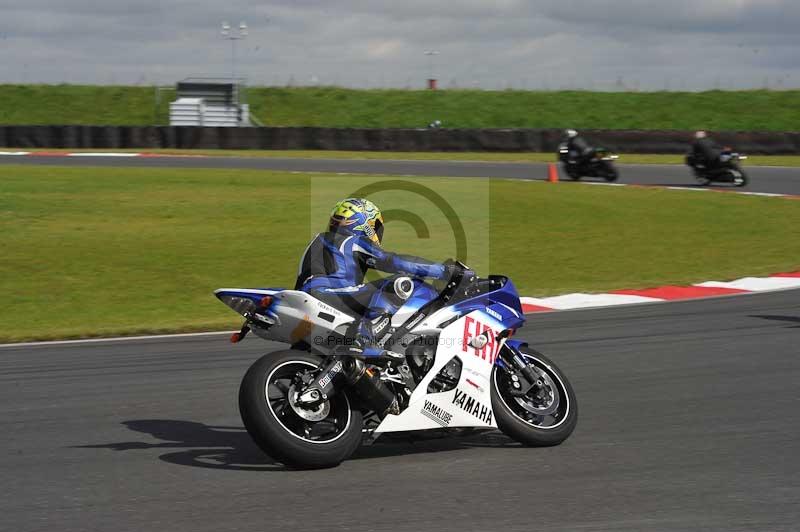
point(297, 437)
point(545, 420)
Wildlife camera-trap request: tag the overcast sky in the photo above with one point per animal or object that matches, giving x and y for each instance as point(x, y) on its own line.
point(492, 44)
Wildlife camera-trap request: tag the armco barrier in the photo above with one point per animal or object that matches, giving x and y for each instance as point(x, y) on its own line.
point(313, 138)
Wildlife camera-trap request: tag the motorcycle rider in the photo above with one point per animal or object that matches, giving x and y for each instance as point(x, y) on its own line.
point(579, 149)
point(704, 151)
point(334, 264)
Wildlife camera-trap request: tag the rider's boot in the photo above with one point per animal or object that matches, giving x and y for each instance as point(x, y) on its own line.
point(363, 342)
point(373, 354)
point(362, 345)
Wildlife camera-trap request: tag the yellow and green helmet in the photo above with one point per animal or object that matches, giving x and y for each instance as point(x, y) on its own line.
point(358, 217)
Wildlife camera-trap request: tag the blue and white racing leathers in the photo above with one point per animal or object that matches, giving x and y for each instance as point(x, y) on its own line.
point(334, 264)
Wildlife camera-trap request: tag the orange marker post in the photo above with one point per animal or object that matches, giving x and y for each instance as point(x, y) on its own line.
point(552, 173)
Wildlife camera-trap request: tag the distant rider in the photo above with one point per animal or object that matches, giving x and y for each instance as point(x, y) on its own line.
point(334, 264)
point(579, 149)
point(704, 151)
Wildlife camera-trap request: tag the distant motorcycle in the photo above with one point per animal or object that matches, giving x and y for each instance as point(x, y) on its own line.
point(598, 164)
point(726, 170)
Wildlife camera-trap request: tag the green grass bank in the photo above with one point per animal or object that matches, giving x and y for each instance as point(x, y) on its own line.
point(753, 110)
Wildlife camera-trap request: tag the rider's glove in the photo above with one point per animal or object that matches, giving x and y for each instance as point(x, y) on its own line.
point(453, 269)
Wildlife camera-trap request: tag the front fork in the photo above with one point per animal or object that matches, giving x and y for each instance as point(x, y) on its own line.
point(524, 377)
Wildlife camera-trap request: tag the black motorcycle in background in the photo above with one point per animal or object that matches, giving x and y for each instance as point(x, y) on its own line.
point(725, 169)
point(597, 163)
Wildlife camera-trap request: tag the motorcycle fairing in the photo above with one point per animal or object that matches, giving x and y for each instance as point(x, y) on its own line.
point(293, 315)
point(469, 403)
point(503, 304)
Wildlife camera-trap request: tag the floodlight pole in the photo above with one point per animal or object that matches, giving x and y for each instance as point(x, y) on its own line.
point(228, 34)
point(430, 54)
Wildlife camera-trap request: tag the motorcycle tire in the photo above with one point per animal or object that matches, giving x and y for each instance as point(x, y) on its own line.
point(739, 178)
point(286, 432)
point(702, 180)
point(521, 423)
point(572, 172)
point(611, 174)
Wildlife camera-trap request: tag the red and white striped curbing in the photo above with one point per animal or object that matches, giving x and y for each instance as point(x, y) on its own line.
point(779, 281)
point(530, 305)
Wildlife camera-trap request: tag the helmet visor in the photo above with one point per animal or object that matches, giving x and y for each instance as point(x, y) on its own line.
point(379, 230)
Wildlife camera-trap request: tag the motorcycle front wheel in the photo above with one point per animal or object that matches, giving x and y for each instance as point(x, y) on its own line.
point(545, 416)
point(611, 173)
point(739, 178)
point(702, 180)
point(300, 438)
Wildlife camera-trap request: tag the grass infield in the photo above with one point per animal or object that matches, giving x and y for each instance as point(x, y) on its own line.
point(111, 251)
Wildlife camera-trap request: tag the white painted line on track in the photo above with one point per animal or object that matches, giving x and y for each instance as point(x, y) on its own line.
point(115, 339)
point(756, 284)
point(653, 187)
point(571, 301)
point(15, 153)
point(768, 194)
point(102, 154)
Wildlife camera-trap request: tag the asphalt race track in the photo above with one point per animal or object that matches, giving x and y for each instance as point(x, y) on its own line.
point(776, 180)
point(689, 420)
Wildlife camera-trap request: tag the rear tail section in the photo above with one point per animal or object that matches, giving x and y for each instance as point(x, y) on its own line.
point(288, 316)
point(245, 301)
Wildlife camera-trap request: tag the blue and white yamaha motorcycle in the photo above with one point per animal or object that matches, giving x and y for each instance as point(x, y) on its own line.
point(451, 363)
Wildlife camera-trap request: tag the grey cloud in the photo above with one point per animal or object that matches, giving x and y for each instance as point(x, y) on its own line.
point(529, 44)
point(681, 16)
